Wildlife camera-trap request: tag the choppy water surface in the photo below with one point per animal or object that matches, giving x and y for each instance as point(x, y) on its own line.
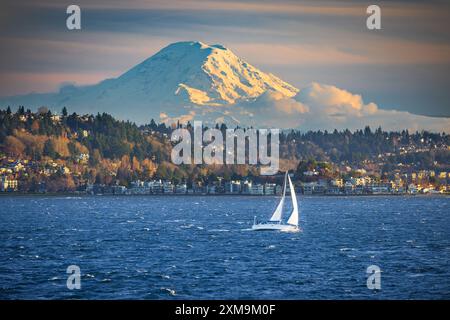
point(190, 247)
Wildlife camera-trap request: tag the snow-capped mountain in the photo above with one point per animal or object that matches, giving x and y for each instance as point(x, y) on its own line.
point(182, 79)
point(188, 81)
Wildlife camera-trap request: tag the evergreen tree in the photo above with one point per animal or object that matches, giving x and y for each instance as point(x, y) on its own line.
point(49, 150)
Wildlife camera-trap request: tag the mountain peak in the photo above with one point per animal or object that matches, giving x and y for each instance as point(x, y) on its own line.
point(195, 45)
point(202, 74)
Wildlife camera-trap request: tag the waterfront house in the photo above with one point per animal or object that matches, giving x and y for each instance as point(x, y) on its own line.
point(156, 187)
point(168, 187)
point(198, 188)
point(211, 189)
point(233, 187)
point(348, 187)
point(119, 189)
point(257, 189)
point(339, 183)
point(308, 187)
point(359, 189)
point(278, 189)
point(181, 188)
point(246, 187)
point(269, 188)
point(8, 184)
point(333, 190)
point(379, 188)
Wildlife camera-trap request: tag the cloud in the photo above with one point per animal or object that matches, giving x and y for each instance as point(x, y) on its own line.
point(327, 107)
point(272, 109)
point(165, 118)
point(334, 108)
point(330, 100)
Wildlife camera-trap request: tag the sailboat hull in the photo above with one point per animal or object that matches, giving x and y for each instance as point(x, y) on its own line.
point(275, 226)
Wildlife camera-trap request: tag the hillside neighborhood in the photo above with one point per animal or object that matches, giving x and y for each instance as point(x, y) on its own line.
point(46, 152)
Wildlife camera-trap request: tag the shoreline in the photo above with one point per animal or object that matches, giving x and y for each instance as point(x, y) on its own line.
point(72, 194)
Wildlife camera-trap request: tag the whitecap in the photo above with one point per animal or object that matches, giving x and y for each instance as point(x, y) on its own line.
point(415, 275)
point(176, 220)
point(219, 230)
point(141, 271)
point(170, 291)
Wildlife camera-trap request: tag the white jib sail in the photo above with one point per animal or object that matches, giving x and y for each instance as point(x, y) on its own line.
point(293, 219)
point(279, 210)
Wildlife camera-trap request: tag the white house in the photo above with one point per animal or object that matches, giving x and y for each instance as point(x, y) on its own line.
point(7, 184)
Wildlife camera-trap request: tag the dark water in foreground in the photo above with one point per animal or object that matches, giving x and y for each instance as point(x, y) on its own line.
point(194, 248)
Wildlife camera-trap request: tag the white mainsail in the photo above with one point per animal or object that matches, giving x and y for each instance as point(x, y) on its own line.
point(279, 210)
point(275, 222)
point(293, 219)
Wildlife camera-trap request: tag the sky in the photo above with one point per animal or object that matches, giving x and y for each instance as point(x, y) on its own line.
point(404, 66)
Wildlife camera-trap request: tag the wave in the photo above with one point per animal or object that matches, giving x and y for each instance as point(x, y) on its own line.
point(171, 292)
point(219, 230)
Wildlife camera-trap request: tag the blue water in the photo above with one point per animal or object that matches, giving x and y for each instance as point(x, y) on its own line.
point(190, 247)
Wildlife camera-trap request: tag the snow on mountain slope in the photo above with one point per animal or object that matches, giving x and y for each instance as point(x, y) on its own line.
point(204, 74)
point(171, 76)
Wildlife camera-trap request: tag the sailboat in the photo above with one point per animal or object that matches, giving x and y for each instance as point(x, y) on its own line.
point(275, 222)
